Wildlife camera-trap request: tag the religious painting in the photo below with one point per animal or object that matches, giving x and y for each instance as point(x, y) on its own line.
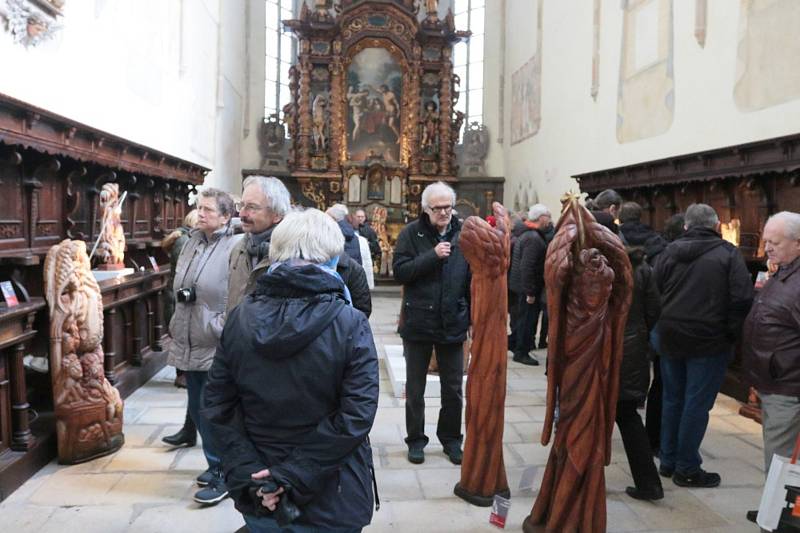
point(376, 184)
point(526, 88)
point(374, 93)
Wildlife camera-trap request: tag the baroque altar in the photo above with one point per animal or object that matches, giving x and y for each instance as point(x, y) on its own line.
point(372, 116)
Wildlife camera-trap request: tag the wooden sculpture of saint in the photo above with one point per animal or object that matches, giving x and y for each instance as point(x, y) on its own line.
point(588, 279)
point(487, 251)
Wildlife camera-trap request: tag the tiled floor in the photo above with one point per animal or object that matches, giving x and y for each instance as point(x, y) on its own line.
point(145, 487)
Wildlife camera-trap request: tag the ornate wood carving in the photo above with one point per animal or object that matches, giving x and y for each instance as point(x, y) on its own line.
point(88, 408)
point(487, 250)
point(111, 248)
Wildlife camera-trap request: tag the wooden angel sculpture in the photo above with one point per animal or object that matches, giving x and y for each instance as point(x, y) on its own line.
point(487, 251)
point(588, 280)
point(430, 128)
point(320, 117)
point(88, 408)
point(111, 249)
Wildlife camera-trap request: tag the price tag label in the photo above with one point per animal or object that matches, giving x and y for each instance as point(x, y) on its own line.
point(500, 507)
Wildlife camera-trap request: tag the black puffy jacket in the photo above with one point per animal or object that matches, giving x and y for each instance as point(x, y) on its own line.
point(639, 234)
point(527, 264)
point(355, 278)
point(642, 316)
point(351, 245)
point(294, 388)
point(435, 291)
point(706, 292)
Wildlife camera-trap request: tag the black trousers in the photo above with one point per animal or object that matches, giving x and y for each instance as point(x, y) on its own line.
point(450, 358)
point(637, 446)
point(526, 325)
point(653, 413)
point(513, 313)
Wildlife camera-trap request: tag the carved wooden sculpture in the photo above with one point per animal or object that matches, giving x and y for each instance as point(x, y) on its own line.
point(487, 250)
point(88, 409)
point(111, 249)
point(588, 280)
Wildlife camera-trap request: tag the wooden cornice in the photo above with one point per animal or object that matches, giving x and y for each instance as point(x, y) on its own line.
point(32, 127)
point(780, 154)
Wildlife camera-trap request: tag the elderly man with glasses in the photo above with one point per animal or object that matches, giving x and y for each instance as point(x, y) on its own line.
point(265, 201)
point(435, 313)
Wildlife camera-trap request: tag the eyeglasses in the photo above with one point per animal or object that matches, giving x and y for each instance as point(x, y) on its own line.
point(443, 209)
point(252, 208)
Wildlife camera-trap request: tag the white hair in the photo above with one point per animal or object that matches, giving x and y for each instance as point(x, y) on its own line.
point(700, 216)
point(337, 212)
point(791, 224)
point(307, 234)
point(438, 188)
point(536, 211)
point(278, 198)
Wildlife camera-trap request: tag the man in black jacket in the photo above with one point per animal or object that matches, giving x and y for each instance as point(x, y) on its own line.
point(634, 232)
point(435, 313)
point(365, 230)
point(527, 281)
point(706, 292)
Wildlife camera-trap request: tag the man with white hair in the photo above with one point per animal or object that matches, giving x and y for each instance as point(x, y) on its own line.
point(265, 201)
point(527, 282)
point(435, 313)
point(706, 291)
point(771, 342)
point(351, 245)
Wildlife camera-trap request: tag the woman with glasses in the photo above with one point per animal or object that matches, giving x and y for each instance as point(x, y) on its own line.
point(201, 293)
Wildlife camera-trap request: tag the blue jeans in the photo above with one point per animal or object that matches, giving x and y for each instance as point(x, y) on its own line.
point(195, 387)
point(263, 524)
point(690, 388)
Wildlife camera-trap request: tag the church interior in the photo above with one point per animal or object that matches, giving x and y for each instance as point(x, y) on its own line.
point(115, 116)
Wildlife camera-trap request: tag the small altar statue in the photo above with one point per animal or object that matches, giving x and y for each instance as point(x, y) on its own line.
point(88, 408)
point(320, 120)
point(589, 282)
point(111, 249)
point(430, 127)
point(487, 251)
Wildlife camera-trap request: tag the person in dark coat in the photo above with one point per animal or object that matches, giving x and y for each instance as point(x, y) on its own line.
point(527, 281)
point(435, 313)
point(706, 293)
point(635, 379)
point(364, 229)
point(518, 227)
point(635, 233)
point(355, 279)
point(293, 389)
point(339, 213)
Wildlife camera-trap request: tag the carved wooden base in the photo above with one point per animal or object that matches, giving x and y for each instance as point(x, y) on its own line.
point(528, 526)
point(84, 433)
point(478, 499)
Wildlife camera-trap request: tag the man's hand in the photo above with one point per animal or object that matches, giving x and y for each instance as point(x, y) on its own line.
point(442, 250)
point(530, 299)
point(268, 499)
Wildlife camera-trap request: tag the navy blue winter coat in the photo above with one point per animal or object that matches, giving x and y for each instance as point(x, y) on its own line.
point(294, 388)
point(351, 245)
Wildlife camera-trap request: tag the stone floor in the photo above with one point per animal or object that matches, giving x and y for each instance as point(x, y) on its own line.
point(145, 487)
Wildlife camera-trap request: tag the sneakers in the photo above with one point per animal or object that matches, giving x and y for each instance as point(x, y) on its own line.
point(455, 454)
point(416, 455)
point(181, 438)
point(656, 493)
point(205, 478)
point(213, 493)
point(699, 479)
point(525, 359)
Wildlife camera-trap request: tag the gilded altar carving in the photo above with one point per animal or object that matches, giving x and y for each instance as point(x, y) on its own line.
point(88, 408)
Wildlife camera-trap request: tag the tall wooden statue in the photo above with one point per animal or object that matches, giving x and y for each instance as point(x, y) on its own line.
point(487, 250)
point(111, 249)
point(88, 409)
point(589, 281)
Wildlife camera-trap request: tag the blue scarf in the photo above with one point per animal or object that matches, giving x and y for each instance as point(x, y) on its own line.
point(329, 268)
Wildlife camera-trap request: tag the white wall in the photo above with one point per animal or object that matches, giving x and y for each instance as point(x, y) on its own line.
point(149, 71)
point(578, 134)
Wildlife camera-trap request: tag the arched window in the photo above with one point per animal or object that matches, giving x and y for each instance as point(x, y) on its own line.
point(279, 55)
point(468, 58)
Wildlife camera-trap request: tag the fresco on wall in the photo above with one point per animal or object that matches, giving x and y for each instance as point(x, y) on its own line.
point(767, 72)
point(374, 93)
point(526, 89)
point(646, 94)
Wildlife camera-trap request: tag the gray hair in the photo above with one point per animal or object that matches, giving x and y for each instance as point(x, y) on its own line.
point(439, 187)
point(278, 198)
point(223, 199)
point(337, 212)
point(700, 216)
point(536, 211)
point(307, 234)
point(791, 224)
point(630, 212)
point(607, 198)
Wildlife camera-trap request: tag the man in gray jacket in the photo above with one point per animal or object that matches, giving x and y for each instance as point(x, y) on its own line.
point(265, 201)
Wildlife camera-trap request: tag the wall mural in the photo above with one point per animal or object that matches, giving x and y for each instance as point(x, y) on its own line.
point(374, 93)
point(526, 90)
point(766, 67)
point(646, 94)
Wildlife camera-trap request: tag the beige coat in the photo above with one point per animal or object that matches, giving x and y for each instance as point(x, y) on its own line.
point(196, 327)
point(242, 276)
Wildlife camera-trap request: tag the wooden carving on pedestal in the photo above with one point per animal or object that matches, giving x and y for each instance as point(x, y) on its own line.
point(589, 282)
point(88, 408)
point(487, 250)
point(111, 248)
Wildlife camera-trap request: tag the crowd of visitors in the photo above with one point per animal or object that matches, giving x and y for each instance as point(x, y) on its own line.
point(268, 317)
